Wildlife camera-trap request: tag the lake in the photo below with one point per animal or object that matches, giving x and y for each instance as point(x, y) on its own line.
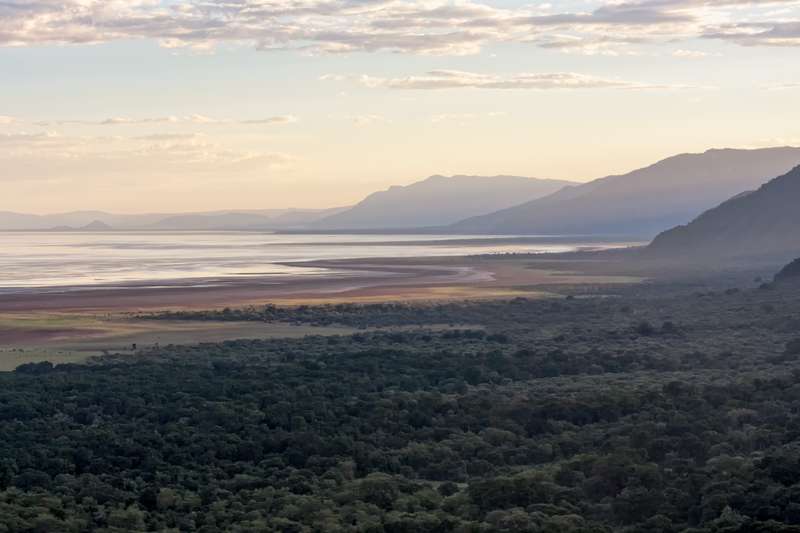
point(62, 261)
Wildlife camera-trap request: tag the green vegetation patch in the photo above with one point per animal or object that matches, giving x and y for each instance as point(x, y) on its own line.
point(642, 413)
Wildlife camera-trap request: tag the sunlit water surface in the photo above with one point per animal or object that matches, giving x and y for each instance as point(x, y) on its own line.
point(61, 261)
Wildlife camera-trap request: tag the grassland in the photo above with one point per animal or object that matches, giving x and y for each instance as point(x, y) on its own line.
point(74, 337)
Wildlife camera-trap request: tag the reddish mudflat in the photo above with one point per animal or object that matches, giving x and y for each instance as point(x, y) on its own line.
point(71, 325)
point(378, 279)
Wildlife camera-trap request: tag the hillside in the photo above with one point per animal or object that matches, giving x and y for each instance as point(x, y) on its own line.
point(643, 202)
point(762, 225)
point(440, 200)
point(789, 273)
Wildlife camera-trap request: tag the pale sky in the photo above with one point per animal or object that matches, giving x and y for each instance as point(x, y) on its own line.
point(185, 105)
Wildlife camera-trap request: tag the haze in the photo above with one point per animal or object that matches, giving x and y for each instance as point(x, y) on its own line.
point(179, 106)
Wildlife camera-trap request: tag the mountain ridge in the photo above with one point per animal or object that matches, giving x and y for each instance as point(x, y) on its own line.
point(763, 224)
point(439, 200)
point(643, 202)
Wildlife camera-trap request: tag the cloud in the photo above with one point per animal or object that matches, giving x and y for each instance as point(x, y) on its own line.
point(196, 151)
point(201, 119)
point(783, 34)
point(363, 119)
point(456, 79)
point(190, 119)
point(8, 138)
point(5, 120)
point(368, 119)
point(611, 45)
point(49, 145)
point(623, 14)
point(114, 121)
point(409, 26)
point(52, 154)
point(283, 119)
point(464, 117)
point(689, 54)
point(44, 138)
point(168, 137)
point(782, 86)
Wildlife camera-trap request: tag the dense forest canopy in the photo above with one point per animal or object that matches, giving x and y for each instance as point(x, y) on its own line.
point(640, 412)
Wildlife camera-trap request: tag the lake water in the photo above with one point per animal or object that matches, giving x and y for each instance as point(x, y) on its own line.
point(60, 261)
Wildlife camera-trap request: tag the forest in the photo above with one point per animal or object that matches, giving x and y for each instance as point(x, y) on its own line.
point(657, 409)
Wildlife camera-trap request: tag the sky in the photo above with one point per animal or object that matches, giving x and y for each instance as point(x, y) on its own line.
point(189, 105)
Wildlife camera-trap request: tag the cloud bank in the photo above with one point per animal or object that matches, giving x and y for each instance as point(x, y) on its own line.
point(408, 26)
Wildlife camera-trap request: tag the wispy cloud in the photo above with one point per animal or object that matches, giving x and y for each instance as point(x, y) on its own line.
point(362, 119)
point(766, 33)
point(782, 86)
point(283, 119)
point(464, 117)
point(367, 119)
point(14, 138)
point(49, 153)
point(190, 119)
point(168, 137)
point(690, 54)
point(456, 79)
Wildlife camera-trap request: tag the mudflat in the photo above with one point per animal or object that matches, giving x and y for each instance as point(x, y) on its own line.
point(75, 324)
point(349, 280)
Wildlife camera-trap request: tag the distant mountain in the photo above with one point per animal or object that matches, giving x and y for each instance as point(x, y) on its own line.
point(73, 220)
point(63, 221)
point(762, 225)
point(244, 220)
point(643, 202)
point(789, 273)
point(211, 222)
point(216, 220)
point(303, 217)
point(439, 200)
point(96, 225)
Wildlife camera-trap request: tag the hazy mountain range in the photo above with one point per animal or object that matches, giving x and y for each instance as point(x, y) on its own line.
point(640, 204)
point(440, 200)
point(763, 224)
point(215, 220)
point(643, 202)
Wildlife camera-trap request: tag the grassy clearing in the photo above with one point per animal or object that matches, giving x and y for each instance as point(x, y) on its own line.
point(64, 338)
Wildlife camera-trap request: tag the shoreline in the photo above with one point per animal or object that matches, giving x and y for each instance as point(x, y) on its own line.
point(216, 291)
point(70, 326)
point(354, 279)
